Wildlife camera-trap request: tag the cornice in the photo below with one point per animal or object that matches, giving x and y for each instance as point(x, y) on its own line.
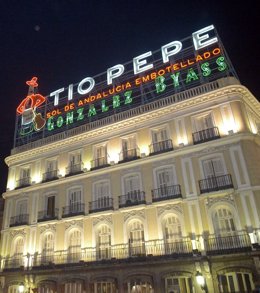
point(220, 95)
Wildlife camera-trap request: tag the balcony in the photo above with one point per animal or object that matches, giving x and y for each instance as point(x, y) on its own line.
point(73, 210)
point(19, 220)
point(132, 198)
point(102, 204)
point(166, 192)
point(205, 135)
point(129, 155)
point(15, 262)
point(50, 175)
point(48, 215)
point(161, 147)
point(98, 163)
point(238, 242)
point(216, 183)
point(23, 182)
point(74, 169)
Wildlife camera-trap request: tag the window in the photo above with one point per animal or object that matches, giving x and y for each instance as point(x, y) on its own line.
point(75, 201)
point(50, 208)
point(165, 177)
point(100, 156)
point(203, 122)
point(103, 242)
point(213, 167)
point(74, 287)
point(47, 248)
point(131, 184)
point(25, 178)
point(235, 282)
point(173, 235)
point(129, 148)
point(223, 222)
point(75, 163)
point(102, 198)
point(74, 252)
point(136, 238)
point(178, 284)
point(18, 252)
point(51, 170)
point(21, 208)
point(13, 289)
point(159, 135)
point(104, 287)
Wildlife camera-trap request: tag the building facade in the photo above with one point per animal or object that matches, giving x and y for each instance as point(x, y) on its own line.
point(155, 189)
point(143, 202)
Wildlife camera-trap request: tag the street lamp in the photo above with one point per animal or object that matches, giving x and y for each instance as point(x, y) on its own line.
point(201, 281)
point(21, 288)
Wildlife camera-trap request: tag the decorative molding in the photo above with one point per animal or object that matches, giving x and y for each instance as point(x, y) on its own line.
point(47, 227)
point(229, 198)
point(69, 224)
point(14, 233)
point(107, 219)
point(169, 208)
point(139, 213)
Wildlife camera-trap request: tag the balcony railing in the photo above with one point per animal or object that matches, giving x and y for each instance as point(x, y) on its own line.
point(166, 192)
point(102, 204)
point(19, 220)
point(134, 197)
point(74, 169)
point(129, 155)
point(15, 262)
point(48, 215)
point(73, 210)
point(99, 163)
point(50, 175)
point(23, 182)
point(138, 248)
point(161, 147)
point(216, 183)
point(228, 244)
point(205, 135)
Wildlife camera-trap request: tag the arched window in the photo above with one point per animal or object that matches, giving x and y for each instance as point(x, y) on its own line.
point(47, 248)
point(136, 238)
point(172, 234)
point(72, 287)
point(103, 240)
point(223, 222)
point(74, 251)
point(13, 289)
point(175, 283)
point(18, 252)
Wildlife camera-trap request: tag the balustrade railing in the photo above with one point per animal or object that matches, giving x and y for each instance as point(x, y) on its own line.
point(23, 182)
point(50, 175)
point(102, 204)
point(134, 197)
point(215, 183)
point(160, 147)
point(19, 220)
point(73, 210)
point(128, 155)
point(100, 162)
point(205, 135)
point(166, 192)
point(48, 215)
point(73, 169)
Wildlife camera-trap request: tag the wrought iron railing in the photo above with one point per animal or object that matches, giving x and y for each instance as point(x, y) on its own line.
point(73, 210)
point(215, 183)
point(234, 242)
point(73, 169)
point(23, 182)
point(48, 215)
point(50, 175)
point(166, 192)
point(128, 155)
point(100, 162)
point(205, 135)
point(19, 220)
point(161, 146)
point(134, 197)
point(102, 204)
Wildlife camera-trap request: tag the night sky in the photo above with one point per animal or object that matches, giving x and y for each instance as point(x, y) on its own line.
point(61, 42)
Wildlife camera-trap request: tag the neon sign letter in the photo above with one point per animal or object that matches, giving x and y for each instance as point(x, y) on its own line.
point(90, 87)
point(167, 53)
point(117, 69)
point(56, 95)
point(199, 40)
point(137, 63)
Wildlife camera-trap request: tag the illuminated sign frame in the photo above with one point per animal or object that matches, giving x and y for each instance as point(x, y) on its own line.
point(177, 66)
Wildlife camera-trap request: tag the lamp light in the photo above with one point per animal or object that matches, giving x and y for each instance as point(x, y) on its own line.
point(21, 288)
point(201, 281)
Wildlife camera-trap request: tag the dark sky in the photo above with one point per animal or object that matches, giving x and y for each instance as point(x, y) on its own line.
point(62, 42)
